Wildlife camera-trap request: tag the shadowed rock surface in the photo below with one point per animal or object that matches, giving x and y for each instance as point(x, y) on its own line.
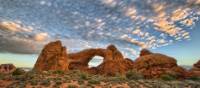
point(52, 57)
point(7, 68)
point(153, 65)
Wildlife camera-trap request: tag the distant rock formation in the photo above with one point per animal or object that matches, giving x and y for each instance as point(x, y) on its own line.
point(153, 65)
point(53, 57)
point(7, 68)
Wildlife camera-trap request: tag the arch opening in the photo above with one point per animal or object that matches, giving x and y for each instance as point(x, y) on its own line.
point(95, 61)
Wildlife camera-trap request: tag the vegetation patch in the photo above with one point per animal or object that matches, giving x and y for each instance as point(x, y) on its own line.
point(134, 75)
point(18, 71)
point(168, 77)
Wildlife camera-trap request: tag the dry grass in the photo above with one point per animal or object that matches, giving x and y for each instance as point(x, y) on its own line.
point(58, 79)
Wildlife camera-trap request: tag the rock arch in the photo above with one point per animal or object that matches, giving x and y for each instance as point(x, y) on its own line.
point(81, 59)
point(54, 57)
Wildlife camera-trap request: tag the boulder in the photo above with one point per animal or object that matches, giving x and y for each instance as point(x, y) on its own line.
point(153, 65)
point(53, 57)
point(7, 68)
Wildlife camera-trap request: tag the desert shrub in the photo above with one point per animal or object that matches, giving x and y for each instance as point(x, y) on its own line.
point(134, 75)
point(21, 85)
point(117, 78)
point(45, 83)
point(72, 86)
point(19, 78)
point(58, 72)
point(30, 75)
point(168, 77)
point(83, 76)
point(94, 81)
point(195, 78)
point(58, 82)
point(34, 82)
point(18, 71)
point(56, 79)
point(1, 76)
point(80, 81)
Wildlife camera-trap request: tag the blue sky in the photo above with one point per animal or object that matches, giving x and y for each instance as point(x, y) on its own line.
point(166, 26)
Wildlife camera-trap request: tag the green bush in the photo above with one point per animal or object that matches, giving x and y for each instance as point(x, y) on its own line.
point(168, 77)
point(83, 76)
point(58, 82)
point(1, 76)
point(34, 82)
point(134, 75)
point(45, 83)
point(18, 71)
point(195, 78)
point(72, 86)
point(94, 81)
point(58, 72)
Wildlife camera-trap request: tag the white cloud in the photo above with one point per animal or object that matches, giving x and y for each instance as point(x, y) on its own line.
point(14, 27)
point(41, 37)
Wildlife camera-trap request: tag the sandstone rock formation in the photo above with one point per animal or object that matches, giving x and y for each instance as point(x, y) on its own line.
point(7, 68)
point(144, 52)
point(195, 71)
point(115, 65)
point(112, 64)
point(153, 65)
point(197, 65)
point(81, 59)
point(53, 57)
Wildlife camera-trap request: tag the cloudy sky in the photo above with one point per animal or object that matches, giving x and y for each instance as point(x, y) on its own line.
point(171, 27)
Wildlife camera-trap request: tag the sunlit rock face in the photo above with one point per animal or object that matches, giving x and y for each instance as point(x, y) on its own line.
point(113, 61)
point(144, 52)
point(155, 65)
point(195, 71)
point(7, 68)
point(116, 65)
point(81, 59)
point(197, 65)
point(52, 57)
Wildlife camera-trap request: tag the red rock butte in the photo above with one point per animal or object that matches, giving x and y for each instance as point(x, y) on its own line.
point(152, 65)
point(53, 57)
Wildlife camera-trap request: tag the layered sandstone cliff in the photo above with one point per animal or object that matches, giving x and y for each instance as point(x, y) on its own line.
point(52, 57)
